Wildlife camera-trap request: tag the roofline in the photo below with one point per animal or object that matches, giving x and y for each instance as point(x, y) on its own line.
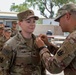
point(8, 15)
point(8, 12)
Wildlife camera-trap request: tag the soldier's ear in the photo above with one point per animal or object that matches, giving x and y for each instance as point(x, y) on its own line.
point(68, 16)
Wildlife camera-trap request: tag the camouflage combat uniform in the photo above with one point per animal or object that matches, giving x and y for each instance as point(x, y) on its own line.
point(21, 57)
point(2, 41)
point(14, 29)
point(64, 59)
point(1, 36)
point(13, 32)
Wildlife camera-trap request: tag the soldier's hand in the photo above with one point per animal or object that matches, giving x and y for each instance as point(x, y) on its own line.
point(44, 38)
point(40, 43)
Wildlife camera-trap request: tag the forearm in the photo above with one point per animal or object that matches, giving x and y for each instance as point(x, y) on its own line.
point(57, 63)
point(52, 48)
point(49, 61)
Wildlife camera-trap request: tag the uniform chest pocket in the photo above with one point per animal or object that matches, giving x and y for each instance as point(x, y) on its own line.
point(23, 57)
point(27, 55)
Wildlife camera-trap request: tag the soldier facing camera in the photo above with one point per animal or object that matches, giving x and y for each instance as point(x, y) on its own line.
point(20, 55)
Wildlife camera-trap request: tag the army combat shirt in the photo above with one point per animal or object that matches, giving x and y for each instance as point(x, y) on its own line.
point(13, 32)
point(2, 41)
point(20, 57)
point(64, 58)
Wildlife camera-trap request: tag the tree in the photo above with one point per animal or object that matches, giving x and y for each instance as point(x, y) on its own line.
point(44, 6)
point(61, 2)
point(19, 8)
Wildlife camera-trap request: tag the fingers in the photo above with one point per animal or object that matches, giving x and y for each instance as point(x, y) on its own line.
point(42, 36)
point(39, 42)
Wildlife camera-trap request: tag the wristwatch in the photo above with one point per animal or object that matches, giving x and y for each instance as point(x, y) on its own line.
point(42, 48)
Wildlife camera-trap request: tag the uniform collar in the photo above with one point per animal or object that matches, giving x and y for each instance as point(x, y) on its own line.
point(22, 39)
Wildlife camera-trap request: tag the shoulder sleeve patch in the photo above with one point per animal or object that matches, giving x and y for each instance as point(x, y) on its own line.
point(60, 52)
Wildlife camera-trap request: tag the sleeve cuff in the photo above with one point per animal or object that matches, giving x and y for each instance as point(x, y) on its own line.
point(44, 50)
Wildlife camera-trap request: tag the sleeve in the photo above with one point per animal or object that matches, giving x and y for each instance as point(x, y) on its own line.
point(52, 49)
point(5, 58)
point(63, 57)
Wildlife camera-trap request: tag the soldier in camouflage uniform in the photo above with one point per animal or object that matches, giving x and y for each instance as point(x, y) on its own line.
point(2, 40)
point(4, 35)
point(7, 33)
point(1, 36)
point(20, 55)
point(63, 58)
point(14, 28)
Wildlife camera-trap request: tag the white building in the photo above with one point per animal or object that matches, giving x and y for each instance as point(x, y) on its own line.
point(8, 17)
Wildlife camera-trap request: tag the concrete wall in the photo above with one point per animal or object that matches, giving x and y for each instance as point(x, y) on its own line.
point(42, 29)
